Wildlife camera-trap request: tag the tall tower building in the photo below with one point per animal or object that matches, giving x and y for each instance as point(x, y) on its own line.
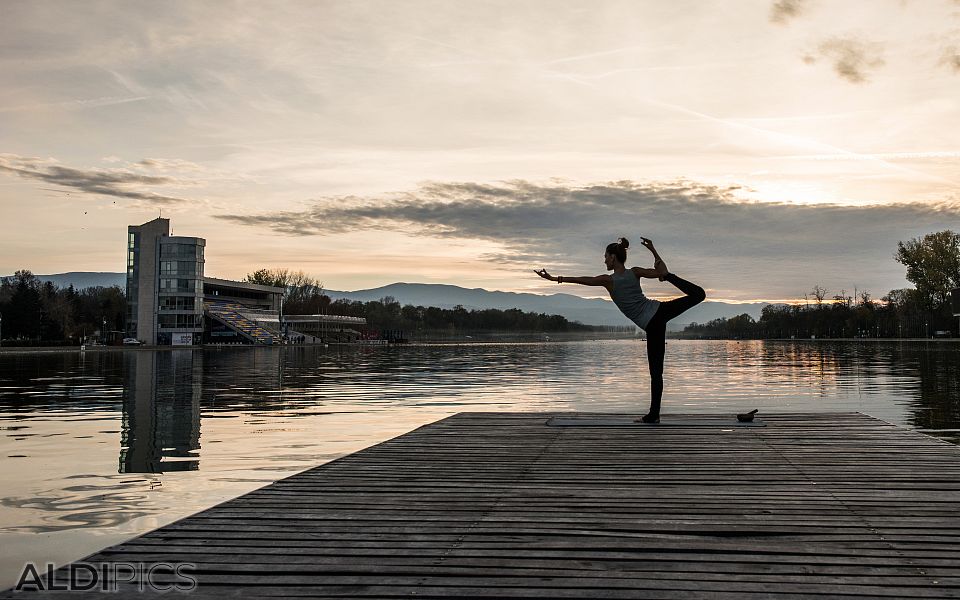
point(164, 285)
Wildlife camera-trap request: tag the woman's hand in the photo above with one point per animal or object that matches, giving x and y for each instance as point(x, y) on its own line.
point(658, 265)
point(543, 273)
point(661, 268)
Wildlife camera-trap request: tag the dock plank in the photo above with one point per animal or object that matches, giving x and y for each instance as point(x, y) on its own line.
point(483, 505)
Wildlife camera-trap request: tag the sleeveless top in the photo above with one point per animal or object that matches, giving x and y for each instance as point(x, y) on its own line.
point(629, 298)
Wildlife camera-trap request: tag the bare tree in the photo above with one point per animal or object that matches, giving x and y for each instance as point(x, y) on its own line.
point(843, 298)
point(819, 293)
point(302, 293)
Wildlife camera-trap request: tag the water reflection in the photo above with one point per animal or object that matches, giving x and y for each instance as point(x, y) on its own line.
point(161, 411)
point(910, 384)
point(162, 399)
point(98, 447)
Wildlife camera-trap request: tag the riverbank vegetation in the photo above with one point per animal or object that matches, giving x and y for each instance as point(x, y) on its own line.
point(305, 296)
point(35, 312)
point(932, 264)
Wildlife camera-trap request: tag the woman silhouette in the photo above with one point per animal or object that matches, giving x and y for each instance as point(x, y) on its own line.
point(650, 315)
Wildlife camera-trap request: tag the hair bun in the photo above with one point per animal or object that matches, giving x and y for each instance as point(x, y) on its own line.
point(623, 243)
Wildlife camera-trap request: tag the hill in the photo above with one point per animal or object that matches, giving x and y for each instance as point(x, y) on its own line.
point(85, 279)
point(574, 308)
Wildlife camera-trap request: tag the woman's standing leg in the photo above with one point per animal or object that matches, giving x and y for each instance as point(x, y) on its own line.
point(657, 336)
point(656, 349)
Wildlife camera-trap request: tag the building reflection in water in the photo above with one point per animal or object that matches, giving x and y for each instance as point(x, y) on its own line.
point(913, 384)
point(161, 411)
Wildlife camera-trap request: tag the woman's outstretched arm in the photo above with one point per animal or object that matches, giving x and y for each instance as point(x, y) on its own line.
point(603, 280)
point(648, 273)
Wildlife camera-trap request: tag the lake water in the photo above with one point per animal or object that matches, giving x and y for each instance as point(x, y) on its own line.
point(99, 447)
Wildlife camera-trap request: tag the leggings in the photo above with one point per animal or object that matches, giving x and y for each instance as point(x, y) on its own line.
point(657, 333)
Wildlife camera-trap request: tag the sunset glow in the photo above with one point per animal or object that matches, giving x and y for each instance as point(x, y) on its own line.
point(766, 147)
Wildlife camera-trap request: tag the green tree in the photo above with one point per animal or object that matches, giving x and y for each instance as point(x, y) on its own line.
point(933, 265)
point(23, 314)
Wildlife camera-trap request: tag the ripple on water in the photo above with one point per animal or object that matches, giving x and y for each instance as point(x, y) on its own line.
point(200, 427)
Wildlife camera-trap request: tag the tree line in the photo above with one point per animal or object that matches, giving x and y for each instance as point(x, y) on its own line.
point(388, 314)
point(35, 312)
point(932, 264)
point(304, 295)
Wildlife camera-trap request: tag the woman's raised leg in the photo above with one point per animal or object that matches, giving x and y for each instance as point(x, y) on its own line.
point(673, 308)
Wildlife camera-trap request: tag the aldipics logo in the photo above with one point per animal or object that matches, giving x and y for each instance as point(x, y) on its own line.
point(108, 577)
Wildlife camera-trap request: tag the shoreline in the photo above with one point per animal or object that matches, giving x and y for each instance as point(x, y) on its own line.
point(841, 339)
point(436, 342)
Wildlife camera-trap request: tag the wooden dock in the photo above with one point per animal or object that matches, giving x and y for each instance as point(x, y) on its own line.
point(482, 505)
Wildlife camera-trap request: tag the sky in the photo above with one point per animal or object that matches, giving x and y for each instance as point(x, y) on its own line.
point(765, 146)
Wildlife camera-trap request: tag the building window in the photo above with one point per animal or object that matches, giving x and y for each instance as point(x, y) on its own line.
point(178, 267)
point(179, 321)
point(177, 303)
point(179, 285)
point(172, 250)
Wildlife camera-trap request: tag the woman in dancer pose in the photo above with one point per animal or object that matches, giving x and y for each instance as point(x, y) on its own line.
point(649, 314)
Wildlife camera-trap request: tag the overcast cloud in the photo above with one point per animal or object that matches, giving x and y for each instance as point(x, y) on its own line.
point(118, 183)
point(704, 230)
point(248, 110)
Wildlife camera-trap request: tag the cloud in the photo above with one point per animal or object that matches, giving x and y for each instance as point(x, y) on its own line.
point(938, 155)
point(852, 59)
point(783, 10)
point(738, 245)
point(170, 164)
point(523, 214)
point(117, 183)
point(951, 58)
point(77, 104)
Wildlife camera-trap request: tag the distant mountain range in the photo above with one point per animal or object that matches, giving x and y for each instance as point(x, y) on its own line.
point(85, 279)
point(574, 308)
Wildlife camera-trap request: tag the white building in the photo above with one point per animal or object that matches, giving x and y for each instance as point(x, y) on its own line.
point(164, 285)
point(170, 302)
